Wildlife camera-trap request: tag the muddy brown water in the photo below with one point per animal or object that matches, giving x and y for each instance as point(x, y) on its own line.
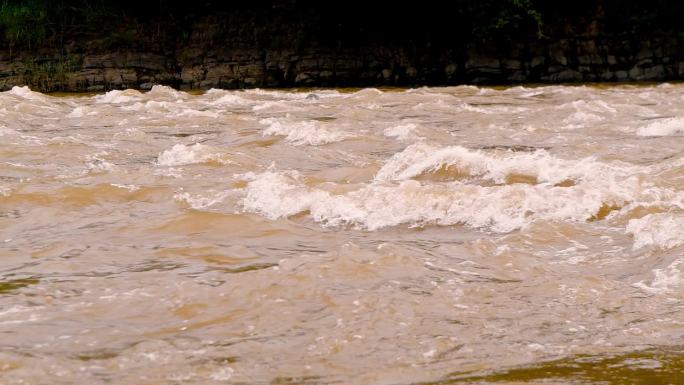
point(521, 235)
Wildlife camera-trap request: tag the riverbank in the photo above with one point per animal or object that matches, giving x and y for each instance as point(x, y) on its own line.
point(294, 44)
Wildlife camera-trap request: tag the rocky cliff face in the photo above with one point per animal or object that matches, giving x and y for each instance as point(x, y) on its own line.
point(299, 48)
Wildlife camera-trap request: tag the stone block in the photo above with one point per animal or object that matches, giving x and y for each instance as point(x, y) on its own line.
point(653, 73)
point(569, 76)
point(587, 47)
point(478, 62)
point(537, 61)
point(303, 78)
point(511, 64)
point(109, 60)
point(192, 74)
point(590, 59)
point(607, 76)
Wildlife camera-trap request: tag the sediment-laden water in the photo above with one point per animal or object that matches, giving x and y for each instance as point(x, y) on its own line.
point(355, 237)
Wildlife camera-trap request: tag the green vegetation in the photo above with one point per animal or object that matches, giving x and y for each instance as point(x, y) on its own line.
point(24, 23)
point(31, 23)
point(514, 14)
point(49, 75)
point(40, 35)
point(28, 23)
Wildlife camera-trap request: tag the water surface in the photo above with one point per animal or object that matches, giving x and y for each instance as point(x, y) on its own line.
point(433, 235)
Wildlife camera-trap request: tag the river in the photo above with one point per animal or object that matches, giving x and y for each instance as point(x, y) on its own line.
point(396, 236)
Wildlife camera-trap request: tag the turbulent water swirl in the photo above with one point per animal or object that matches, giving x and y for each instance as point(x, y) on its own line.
point(337, 236)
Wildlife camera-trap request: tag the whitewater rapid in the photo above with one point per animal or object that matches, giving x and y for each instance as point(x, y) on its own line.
point(352, 236)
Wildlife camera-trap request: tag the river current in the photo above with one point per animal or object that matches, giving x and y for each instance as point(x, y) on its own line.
point(431, 235)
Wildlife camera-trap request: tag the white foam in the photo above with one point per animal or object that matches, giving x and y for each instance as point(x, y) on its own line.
point(665, 280)
point(280, 95)
point(78, 112)
point(395, 198)
point(171, 172)
point(420, 158)
point(304, 132)
point(274, 106)
point(129, 187)
point(118, 97)
point(96, 162)
point(81, 111)
point(180, 155)
point(197, 113)
point(580, 118)
point(401, 132)
point(137, 106)
point(438, 105)
point(283, 95)
point(200, 202)
point(230, 99)
point(216, 91)
point(598, 106)
point(275, 195)
point(662, 230)
point(498, 208)
point(489, 110)
point(365, 92)
point(26, 93)
point(586, 112)
point(4, 191)
point(662, 127)
point(222, 374)
point(165, 91)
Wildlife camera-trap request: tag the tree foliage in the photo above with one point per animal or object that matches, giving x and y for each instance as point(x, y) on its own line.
point(24, 22)
point(518, 15)
point(27, 23)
